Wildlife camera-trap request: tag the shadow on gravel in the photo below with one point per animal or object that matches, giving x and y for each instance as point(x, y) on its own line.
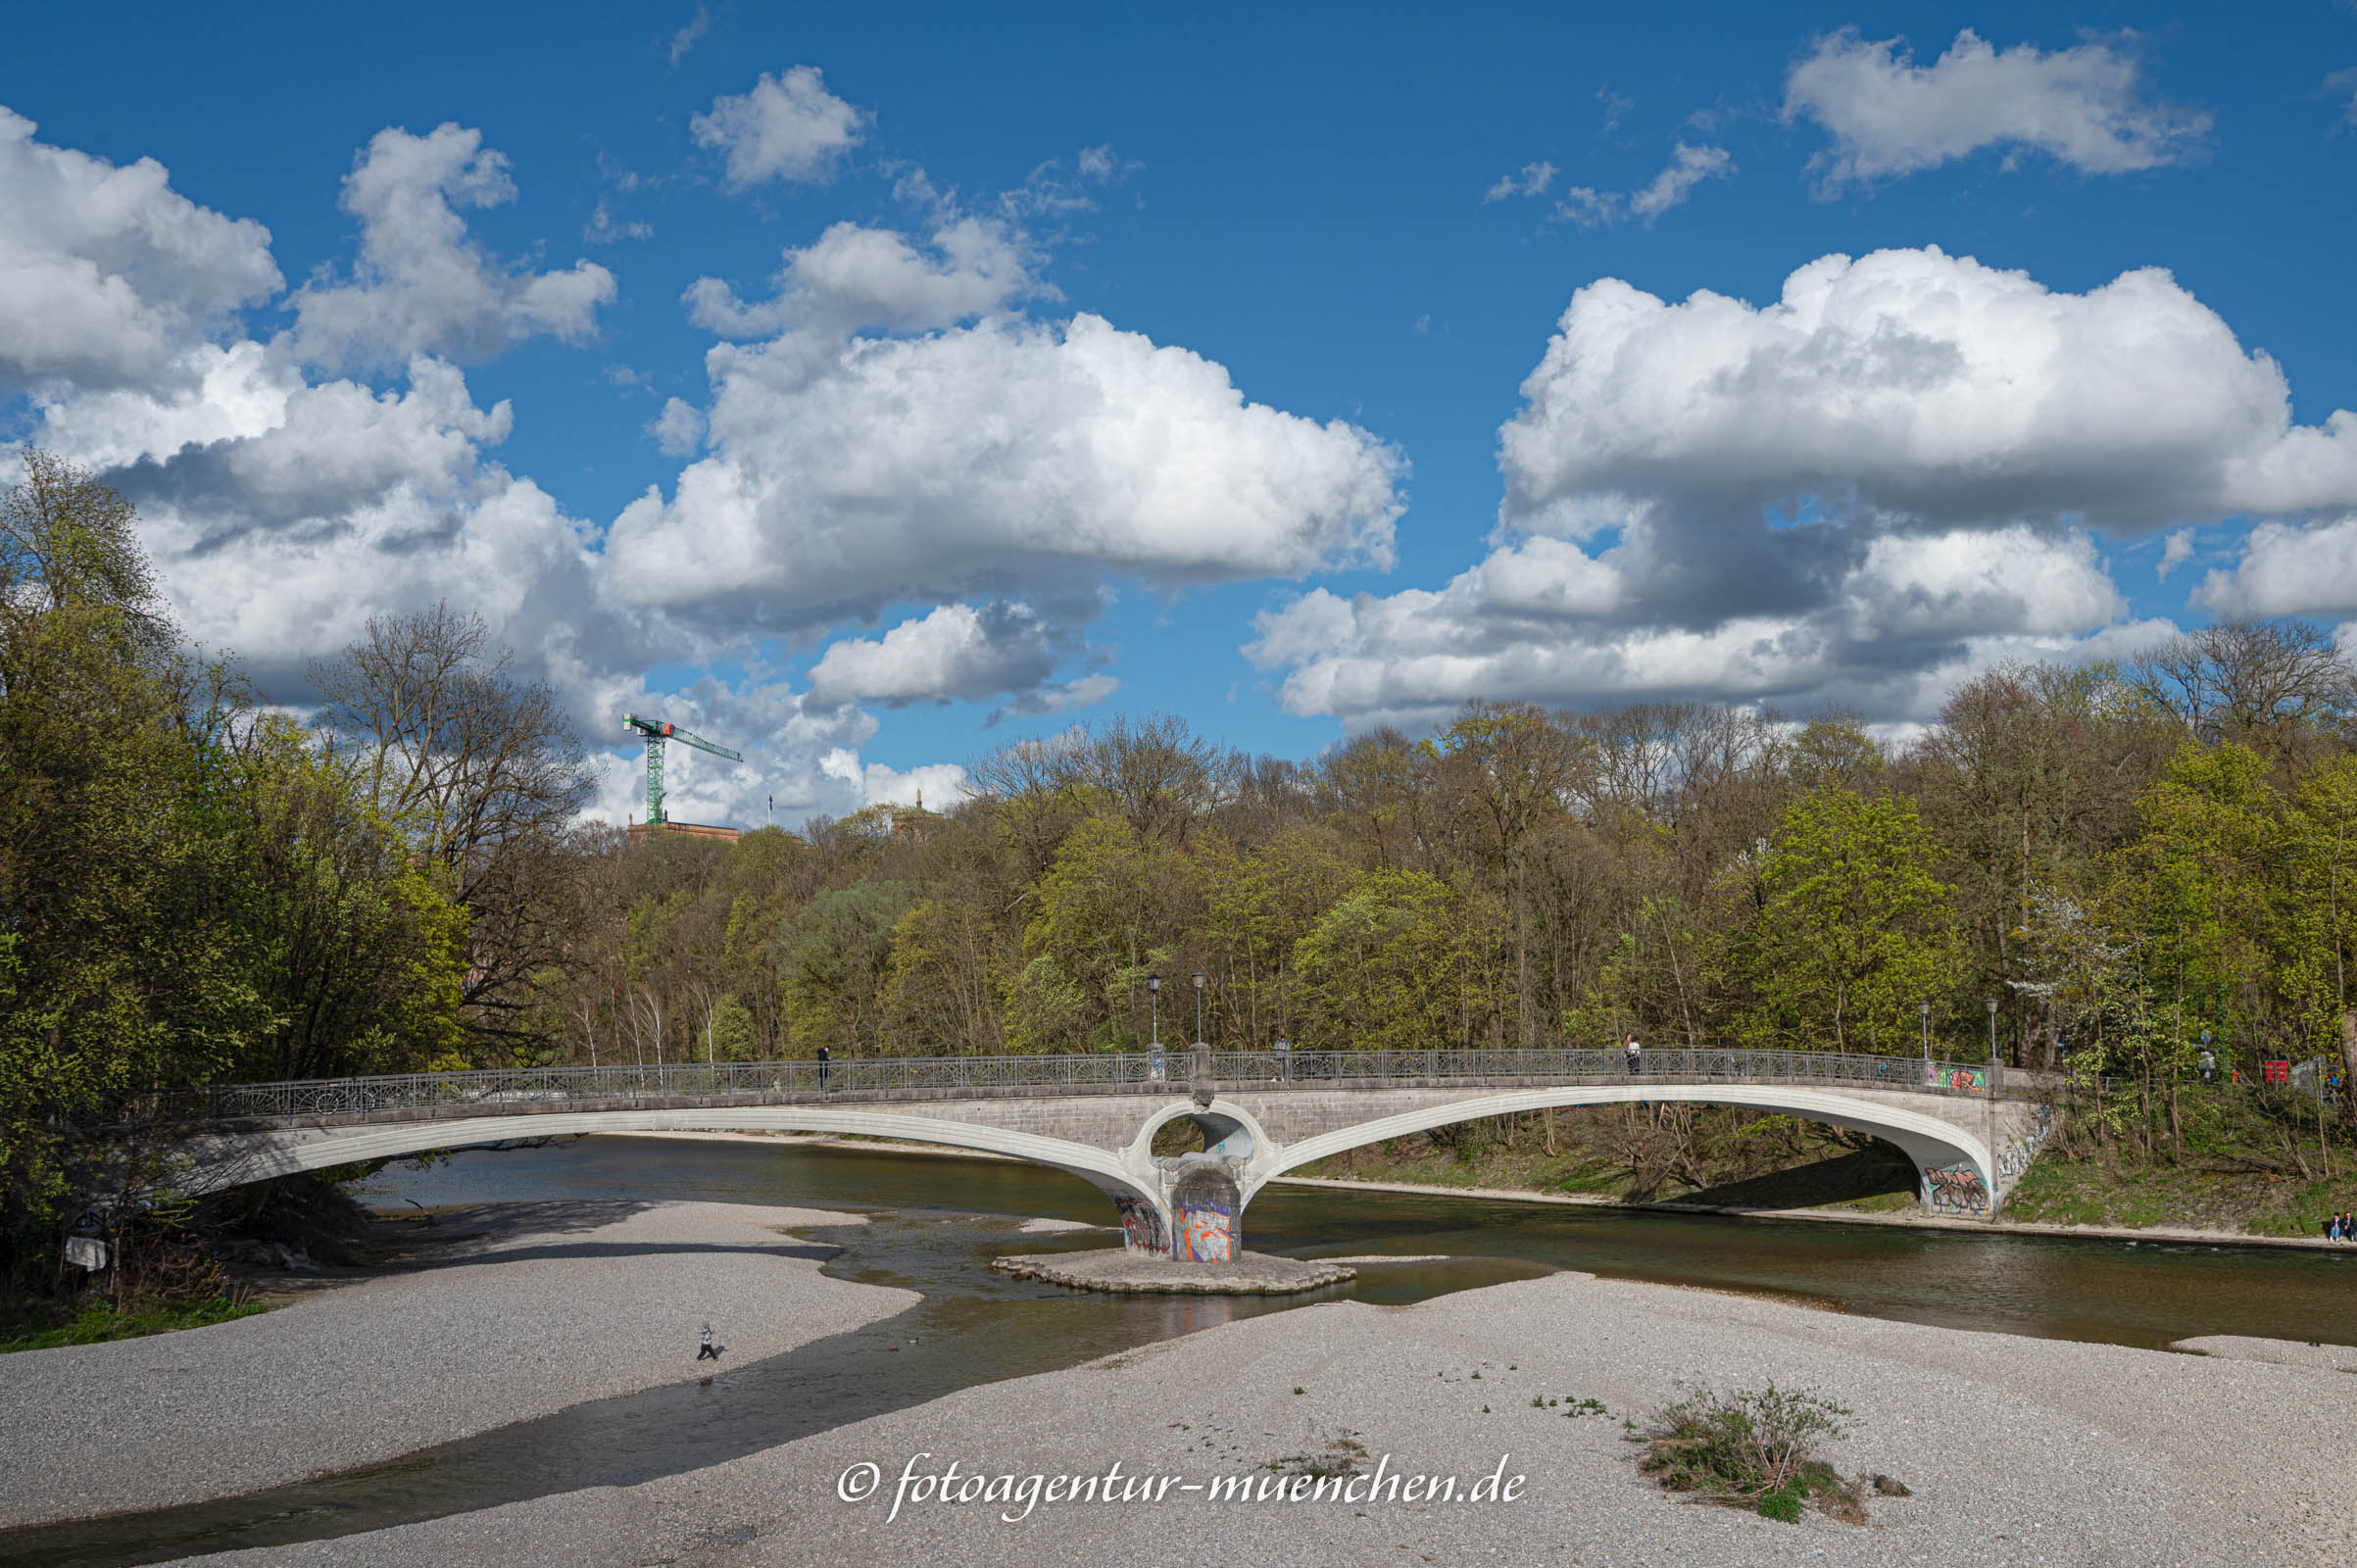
point(580, 1250)
point(494, 1223)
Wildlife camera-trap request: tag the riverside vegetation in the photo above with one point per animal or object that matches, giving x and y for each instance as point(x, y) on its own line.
point(2129, 857)
point(1756, 1449)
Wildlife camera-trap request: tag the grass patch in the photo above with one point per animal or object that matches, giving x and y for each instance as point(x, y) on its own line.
point(94, 1325)
point(2104, 1189)
point(1754, 1450)
point(1342, 1457)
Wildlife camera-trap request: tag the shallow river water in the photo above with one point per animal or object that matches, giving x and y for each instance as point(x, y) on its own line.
point(938, 1221)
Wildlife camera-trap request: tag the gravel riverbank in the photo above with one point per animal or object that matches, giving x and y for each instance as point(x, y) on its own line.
point(548, 1304)
point(2018, 1450)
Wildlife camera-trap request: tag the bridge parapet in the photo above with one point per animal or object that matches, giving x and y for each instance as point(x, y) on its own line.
point(525, 1088)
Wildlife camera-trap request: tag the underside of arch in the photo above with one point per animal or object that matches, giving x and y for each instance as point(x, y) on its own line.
point(1953, 1168)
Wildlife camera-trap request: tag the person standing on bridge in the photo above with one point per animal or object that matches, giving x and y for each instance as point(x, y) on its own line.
point(822, 1059)
point(1634, 1052)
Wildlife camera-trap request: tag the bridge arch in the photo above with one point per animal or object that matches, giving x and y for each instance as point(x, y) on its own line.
point(1229, 1132)
point(216, 1163)
point(1931, 1143)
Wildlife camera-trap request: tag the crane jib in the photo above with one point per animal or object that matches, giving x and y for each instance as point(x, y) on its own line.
point(657, 732)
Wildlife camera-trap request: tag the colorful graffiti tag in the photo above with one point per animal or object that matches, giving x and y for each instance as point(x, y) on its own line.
point(1957, 1080)
point(1205, 1234)
point(1955, 1190)
point(1141, 1226)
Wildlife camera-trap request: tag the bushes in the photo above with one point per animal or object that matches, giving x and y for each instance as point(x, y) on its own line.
point(99, 1322)
point(1754, 1450)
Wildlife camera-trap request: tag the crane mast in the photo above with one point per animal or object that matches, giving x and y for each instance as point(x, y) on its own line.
point(656, 732)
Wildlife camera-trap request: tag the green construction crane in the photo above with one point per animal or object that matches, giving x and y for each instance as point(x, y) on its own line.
point(657, 732)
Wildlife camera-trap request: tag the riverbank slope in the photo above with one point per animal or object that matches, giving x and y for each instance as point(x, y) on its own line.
point(2017, 1450)
point(530, 1308)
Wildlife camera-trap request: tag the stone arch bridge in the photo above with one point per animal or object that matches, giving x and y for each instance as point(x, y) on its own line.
point(1262, 1113)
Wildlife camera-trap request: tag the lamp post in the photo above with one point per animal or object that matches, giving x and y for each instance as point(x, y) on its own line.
point(1198, 1007)
point(1926, 1009)
point(1154, 1002)
point(1992, 1031)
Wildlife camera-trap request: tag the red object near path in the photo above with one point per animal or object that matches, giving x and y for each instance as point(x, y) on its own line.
point(2277, 1072)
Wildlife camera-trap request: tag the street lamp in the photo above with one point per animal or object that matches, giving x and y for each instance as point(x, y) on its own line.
point(1154, 1000)
point(1926, 1009)
point(1198, 1007)
point(1992, 1031)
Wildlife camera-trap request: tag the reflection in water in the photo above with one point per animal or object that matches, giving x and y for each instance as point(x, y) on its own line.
point(976, 1326)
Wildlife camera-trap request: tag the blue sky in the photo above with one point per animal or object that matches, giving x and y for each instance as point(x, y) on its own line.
point(879, 391)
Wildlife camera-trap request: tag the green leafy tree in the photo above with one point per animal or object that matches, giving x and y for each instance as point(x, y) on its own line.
point(357, 947)
point(119, 966)
point(2318, 936)
point(1853, 927)
point(1105, 914)
point(1391, 965)
point(838, 951)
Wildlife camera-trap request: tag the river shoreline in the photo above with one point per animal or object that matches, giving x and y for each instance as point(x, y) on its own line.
point(1515, 1194)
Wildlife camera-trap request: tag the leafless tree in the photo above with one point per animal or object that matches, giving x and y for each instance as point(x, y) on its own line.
point(1161, 775)
point(2269, 685)
point(482, 772)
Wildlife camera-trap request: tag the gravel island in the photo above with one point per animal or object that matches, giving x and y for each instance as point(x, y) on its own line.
point(542, 1306)
point(2017, 1452)
point(1120, 1270)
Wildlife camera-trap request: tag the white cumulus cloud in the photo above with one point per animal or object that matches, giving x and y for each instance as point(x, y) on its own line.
point(678, 429)
point(2289, 570)
point(982, 457)
point(856, 276)
point(1891, 477)
point(1540, 621)
point(421, 285)
point(2085, 107)
point(1916, 382)
point(787, 127)
point(958, 651)
point(108, 276)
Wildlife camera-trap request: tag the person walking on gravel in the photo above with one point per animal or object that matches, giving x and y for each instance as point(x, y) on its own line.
point(706, 1351)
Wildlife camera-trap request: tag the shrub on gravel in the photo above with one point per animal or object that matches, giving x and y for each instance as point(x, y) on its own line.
point(1753, 1449)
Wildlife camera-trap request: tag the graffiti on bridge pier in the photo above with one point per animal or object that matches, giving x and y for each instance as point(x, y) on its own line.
point(2015, 1157)
point(1141, 1226)
point(1955, 1190)
point(1207, 1234)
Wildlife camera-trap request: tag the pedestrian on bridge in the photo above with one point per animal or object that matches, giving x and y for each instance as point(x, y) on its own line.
point(1635, 1053)
point(822, 1060)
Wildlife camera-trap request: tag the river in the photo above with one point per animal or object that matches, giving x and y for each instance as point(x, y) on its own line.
point(937, 1222)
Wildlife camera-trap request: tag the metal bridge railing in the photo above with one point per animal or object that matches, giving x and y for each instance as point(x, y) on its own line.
point(524, 1090)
